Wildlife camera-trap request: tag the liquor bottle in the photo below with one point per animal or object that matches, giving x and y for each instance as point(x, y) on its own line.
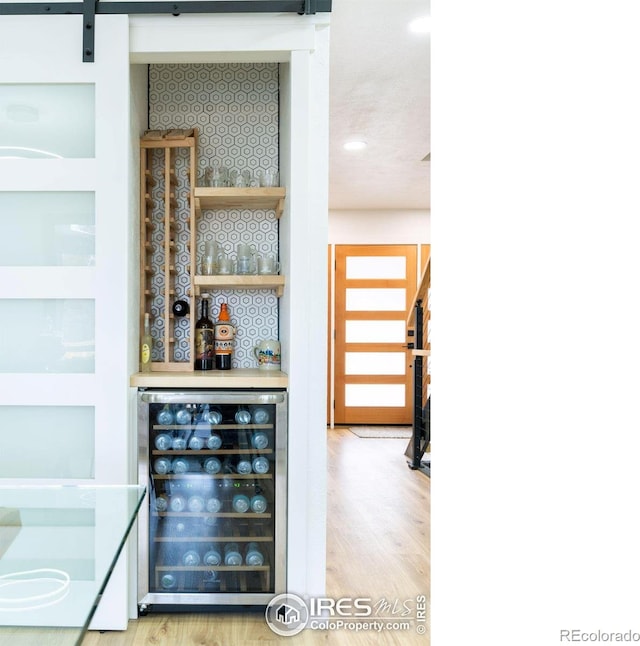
point(232, 555)
point(258, 504)
point(146, 343)
point(204, 338)
point(223, 338)
point(253, 555)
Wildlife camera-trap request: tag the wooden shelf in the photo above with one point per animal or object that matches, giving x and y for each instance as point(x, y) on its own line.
point(239, 198)
point(236, 378)
point(251, 281)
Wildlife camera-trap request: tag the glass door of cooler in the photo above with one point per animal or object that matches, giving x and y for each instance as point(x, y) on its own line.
point(213, 528)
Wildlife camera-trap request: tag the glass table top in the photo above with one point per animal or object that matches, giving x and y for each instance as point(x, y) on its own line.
point(58, 547)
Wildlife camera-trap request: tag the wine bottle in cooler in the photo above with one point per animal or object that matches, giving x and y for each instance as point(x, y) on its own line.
point(212, 556)
point(165, 416)
point(163, 441)
point(162, 466)
point(195, 442)
point(212, 465)
point(260, 465)
point(258, 504)
point(180, 465)
point(223, 338)
point(178, 442)
point(253, 554)
point(232, 554)
point(161, 502)
point(183, 415)
point(195, 503)
point(176, 528)
point(260, 415)
point(240, 503)
point(204, 338)
point(168, 581)
point(178, 503)
point(214, 441)
point(242, 416)
point(259, 440)
point(213, 505)
point(191, 558)
point(243, 467)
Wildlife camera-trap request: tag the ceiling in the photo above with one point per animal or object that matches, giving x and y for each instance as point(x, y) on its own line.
point(380, 92)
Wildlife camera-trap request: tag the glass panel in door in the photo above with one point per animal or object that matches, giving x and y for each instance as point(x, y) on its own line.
point(64, 253)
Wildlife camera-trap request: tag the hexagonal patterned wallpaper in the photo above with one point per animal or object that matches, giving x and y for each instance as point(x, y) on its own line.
point(235, 108)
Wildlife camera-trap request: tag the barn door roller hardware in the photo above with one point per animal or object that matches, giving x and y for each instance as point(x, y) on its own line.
point(89, 9)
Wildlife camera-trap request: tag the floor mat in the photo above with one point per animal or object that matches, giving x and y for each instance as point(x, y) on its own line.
point(392, 432)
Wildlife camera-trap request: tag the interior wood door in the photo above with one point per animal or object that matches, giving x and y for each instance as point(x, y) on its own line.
point(374, 287)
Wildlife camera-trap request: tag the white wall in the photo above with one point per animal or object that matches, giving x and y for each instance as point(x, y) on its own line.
point(380, 227)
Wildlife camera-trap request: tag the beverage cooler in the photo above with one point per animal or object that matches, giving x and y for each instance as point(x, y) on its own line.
point(213, 528)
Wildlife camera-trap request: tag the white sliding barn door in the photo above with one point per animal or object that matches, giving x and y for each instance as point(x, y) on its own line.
point(64, 259)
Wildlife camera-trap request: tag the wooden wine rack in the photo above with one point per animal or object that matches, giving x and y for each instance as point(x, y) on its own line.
point(168, 141)
point(195, 200)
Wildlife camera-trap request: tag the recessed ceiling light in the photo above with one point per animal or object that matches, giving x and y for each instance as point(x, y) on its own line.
point(420, 25)
point(355, 145)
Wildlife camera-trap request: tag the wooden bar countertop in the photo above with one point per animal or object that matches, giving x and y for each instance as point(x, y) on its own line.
point(235, 378)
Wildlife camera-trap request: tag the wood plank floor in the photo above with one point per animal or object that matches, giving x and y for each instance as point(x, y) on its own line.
point(378, 546)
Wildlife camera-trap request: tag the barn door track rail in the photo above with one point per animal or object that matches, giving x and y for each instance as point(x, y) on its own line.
point(89, 9)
